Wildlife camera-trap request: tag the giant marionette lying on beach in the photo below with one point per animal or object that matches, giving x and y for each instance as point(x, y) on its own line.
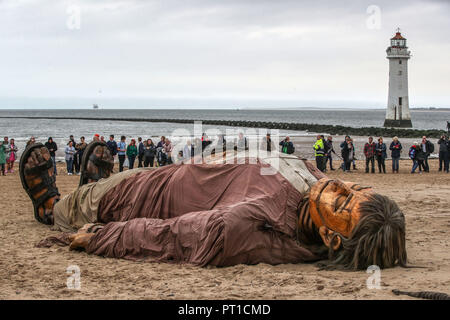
point(218, 214)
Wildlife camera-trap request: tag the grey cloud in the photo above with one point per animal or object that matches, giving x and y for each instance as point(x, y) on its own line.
point(298, 50)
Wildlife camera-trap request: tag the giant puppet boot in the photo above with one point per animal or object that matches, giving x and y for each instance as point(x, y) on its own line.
point(38, 180)
point(97, 163)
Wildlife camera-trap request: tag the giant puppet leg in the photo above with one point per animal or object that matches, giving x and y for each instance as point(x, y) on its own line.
point(81, 206)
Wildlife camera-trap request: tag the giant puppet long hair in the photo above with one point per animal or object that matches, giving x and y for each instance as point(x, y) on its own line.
point(378, 238)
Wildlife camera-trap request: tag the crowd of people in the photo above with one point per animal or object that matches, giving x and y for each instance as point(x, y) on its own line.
point(419, 153)
point(146, 152)
point(150, 154)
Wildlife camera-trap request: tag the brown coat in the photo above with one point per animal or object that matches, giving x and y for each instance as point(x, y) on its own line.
point(202, 214)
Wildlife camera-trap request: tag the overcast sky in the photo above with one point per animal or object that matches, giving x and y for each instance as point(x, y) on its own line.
point(218, 53)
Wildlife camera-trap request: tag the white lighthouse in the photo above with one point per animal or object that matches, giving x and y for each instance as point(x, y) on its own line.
point(397, 113)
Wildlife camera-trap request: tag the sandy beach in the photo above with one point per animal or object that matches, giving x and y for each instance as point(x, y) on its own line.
point(27, 272)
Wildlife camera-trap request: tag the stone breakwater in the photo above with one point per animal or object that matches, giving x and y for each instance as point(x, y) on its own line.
point(316, 128)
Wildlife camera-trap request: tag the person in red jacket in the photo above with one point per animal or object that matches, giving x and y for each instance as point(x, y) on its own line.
point(369, 151)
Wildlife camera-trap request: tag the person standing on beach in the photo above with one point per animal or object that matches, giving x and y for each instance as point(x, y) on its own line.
point(344, 153)
point(31, 141)
point(396, 148)
point(413, 156)
point(79, 147)
point(112, 146)
point(121, 151)
point(353, 158)
point(12, 156)
point(70, 152)
point(96, 137)
point(140, 152)
point(168, 148)
point(319, 153)
point(187, 150)
point(444, 156)
point(369, 152)
point(161, 142)
point(149, 153)
point(6, 142)
point(52, 147)
point(72, 139)
point(351, 154)
point(287, 146)
point(266, 143)
point(132, 152)
point(160, 153)
point(196, 148)
point(329, 149)
point(381, 155)
point(220, 145)
point(428, 149)
point(3, 148)
point(242, 143)
point(205, 141)
point(417, 155)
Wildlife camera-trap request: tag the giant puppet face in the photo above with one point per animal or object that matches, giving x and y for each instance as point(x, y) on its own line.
point(334, 206)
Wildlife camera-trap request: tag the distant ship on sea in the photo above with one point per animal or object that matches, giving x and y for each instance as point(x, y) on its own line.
point(95, 106)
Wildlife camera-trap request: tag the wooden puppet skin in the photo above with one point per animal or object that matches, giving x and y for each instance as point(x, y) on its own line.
point(335, 204)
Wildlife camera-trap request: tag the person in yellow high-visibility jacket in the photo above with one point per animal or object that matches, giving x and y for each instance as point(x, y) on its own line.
point(319, 152)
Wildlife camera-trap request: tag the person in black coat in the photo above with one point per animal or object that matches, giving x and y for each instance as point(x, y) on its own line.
point(149, 153)
point(346, 148)
point(396, 148)
point(140, 152)
point(444, 155)
point(52, 147)
point(112, 146)
point(428, 148)
point(329, 149)
point(381, 155)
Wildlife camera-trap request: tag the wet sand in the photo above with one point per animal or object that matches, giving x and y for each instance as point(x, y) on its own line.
point(27, 272)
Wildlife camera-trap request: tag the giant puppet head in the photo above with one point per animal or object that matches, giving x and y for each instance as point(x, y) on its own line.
point(360, 227)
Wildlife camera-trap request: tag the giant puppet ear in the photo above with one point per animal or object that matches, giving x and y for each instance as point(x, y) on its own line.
point(327, 238)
